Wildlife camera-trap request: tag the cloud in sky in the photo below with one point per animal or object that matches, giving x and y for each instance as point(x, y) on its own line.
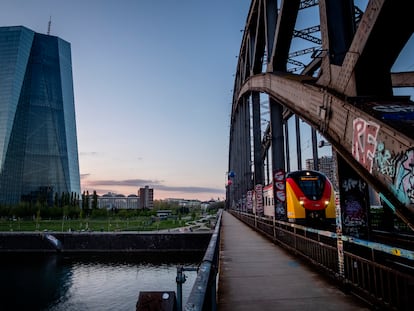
point(90, 153)
point(105, 185)
point(125, 183)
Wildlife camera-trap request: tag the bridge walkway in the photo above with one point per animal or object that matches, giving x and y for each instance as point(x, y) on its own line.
point(256, 274)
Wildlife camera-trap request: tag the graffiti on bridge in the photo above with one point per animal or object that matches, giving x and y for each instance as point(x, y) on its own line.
point(364, 142)
point(375, 156)
point(354, 217)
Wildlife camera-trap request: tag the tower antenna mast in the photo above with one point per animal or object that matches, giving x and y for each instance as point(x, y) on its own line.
point(48, 25)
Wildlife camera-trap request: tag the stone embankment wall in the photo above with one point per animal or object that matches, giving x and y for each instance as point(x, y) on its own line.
point(74, 242)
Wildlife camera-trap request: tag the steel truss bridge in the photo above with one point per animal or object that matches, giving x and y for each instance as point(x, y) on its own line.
point(331, 64)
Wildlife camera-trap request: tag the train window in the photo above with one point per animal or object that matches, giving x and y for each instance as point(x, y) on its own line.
point(311, 186)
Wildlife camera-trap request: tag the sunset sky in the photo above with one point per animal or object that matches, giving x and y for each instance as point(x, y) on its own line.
point(153, 84)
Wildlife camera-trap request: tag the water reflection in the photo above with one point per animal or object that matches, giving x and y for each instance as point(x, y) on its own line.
point(88, 282)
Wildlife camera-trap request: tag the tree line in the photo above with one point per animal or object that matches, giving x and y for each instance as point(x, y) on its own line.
point(69, 206)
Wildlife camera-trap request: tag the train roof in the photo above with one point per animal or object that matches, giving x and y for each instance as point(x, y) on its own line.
point(304, 173)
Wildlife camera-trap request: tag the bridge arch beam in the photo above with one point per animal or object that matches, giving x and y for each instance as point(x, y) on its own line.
point(345, 90)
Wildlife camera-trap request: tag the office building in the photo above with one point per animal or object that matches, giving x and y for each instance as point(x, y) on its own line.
point(38, 143)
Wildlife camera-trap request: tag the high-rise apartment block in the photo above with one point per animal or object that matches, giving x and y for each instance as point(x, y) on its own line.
point(327, 166)
point(146, 198)
point(38, 143)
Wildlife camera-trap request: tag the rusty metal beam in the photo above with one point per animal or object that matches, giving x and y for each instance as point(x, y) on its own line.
point(283, 35)
point(402, 79)
point(374, 135)
point(345, 124)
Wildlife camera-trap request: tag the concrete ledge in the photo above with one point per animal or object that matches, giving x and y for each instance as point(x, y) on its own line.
point(79, 242)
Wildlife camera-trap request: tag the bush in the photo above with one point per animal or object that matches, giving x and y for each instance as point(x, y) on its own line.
point(99, 213)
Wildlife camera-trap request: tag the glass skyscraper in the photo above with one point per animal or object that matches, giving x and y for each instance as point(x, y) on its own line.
point(38, 144)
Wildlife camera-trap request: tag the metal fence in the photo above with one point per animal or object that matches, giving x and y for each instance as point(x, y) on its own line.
point(380, 274)
point(203, 293)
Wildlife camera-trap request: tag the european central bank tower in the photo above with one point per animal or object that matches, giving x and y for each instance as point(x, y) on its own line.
point(38, 144)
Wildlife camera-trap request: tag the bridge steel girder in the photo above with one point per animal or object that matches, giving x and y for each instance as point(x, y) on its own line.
point(257, 143)
point(240, 159)
point(341, 123)
point(385, 27)
point(347, 97)
point(283, 35)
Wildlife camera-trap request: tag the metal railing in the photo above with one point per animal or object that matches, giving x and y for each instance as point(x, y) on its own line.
point(381, 275)
point(203, 295)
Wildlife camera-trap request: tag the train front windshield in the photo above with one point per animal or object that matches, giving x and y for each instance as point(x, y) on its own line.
point(312, 186)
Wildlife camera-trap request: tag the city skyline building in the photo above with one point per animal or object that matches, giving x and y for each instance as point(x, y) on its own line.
point(38, 139)
point(146, 198)
point(118, 201)
point(327, 166)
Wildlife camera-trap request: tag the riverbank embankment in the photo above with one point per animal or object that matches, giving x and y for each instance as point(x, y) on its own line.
point(119, 242)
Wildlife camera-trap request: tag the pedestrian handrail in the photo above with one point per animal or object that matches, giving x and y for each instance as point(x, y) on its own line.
point(366, 268)
point(203, 293)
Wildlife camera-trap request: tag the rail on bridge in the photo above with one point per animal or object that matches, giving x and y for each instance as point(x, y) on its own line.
point(381, 275)
point(341, 67)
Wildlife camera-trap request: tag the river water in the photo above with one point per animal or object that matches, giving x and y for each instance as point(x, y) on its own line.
point(58, 282)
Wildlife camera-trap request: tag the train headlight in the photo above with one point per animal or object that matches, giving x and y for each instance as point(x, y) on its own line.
point(326, 202)
point(301, 202)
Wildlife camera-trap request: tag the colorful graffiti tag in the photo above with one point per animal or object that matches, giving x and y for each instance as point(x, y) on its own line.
point(354, 218)
point(377, 158)
point(399, 168)
point(259, 199)
point(364, 142)
point(404, 177)
point(249, 201)
point(354, 200)
point(280, 193)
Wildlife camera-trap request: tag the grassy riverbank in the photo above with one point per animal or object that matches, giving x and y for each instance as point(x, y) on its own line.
point(110, 224)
